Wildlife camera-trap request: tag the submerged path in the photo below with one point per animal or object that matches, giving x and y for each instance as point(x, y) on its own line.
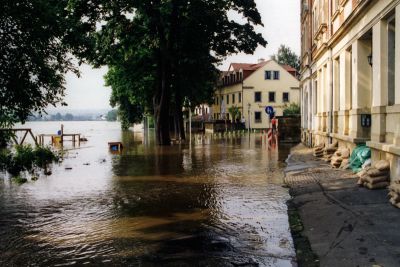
point(217, 202)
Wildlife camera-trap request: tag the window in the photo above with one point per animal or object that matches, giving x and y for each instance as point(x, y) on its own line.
point(271, 96)
point(222, 99)
point(240, 97)
point(267, 75)
point(227, 99)
point(285, 97)
point(233, 99)
point(276, 75)
point(257, 96)
point(257, 117)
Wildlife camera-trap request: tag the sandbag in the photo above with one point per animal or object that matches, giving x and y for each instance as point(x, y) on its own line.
point(395, 197)
point(395, 188)
point(362, 173)
point(375, 180)
point(345, 164)
point(382, 165)
point(345, 153)
point(373, 172)
point(330, 150)
point(377, 185)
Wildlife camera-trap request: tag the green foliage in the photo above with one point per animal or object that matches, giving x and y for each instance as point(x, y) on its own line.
point(161, 52)
point(43, 156)
point(19, 179)
point(292, 109)
point(5, 138)
point(25, 158)
point(36, 38)
point(287, 57)
point(112, 115)
point(235, 113)
point(5, 159)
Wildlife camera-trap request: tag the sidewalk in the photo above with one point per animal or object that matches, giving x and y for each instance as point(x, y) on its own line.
point(346, 225)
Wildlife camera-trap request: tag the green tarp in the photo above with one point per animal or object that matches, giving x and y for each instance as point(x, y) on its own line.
point(360, 154)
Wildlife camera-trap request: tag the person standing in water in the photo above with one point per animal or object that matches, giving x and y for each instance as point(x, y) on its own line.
point(274, 123)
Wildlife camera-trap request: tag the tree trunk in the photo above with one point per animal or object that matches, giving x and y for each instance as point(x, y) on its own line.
point(161, 100)
point(179, 117)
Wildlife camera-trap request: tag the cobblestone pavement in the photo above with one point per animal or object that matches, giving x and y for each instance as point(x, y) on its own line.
point(345, 224)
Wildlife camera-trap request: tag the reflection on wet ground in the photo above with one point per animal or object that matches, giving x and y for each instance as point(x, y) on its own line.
point(215, 202)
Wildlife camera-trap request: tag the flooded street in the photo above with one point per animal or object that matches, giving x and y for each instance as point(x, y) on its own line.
point(215, 202)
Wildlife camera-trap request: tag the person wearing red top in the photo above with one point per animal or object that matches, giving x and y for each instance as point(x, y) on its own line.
point(274, 123)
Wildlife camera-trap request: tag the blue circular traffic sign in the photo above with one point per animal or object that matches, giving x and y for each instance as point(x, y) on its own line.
point(269, 110)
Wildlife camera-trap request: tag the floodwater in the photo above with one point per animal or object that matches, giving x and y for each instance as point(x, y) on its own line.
point(217, 201)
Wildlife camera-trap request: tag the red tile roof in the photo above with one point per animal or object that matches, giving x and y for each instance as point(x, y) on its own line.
point(288, 68)
point(247, 66)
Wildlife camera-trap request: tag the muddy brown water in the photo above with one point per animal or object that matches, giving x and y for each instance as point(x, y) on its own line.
point(217, 201)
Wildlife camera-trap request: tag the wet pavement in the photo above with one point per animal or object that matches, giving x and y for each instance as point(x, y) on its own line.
point(217, 201)
point(346, 225)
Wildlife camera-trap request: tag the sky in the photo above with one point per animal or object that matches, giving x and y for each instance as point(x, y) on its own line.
point(281, 19)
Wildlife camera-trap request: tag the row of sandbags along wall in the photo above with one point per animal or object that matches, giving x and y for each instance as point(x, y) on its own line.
point(337, 157)
point(371, 176)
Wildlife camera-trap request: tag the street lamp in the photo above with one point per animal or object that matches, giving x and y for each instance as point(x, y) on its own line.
point(248, 113)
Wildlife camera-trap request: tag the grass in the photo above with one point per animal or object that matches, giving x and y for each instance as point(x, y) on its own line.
point(305, 256)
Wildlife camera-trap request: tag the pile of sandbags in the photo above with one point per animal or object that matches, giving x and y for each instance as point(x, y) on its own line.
point(375, 177)
point(394, 193)
point(329, 151)
point(319, 150)
point(340, 158)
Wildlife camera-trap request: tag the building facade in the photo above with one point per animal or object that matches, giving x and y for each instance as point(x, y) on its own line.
point(350, 75)
point(251, 88)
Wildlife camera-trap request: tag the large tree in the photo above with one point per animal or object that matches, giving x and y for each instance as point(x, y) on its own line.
point(286, 56)
point(163, 52)
point(36, 38)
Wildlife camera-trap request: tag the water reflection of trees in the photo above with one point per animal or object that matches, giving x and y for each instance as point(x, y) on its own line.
point(180, 187)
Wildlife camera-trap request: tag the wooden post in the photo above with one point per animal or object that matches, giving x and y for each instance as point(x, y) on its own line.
point(23, 138)
point(62, 133)
point(33, 137)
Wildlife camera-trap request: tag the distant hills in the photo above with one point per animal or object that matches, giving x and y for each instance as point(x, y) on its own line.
point(75, 115)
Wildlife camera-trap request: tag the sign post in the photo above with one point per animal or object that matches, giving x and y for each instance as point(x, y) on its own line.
point(270, 112)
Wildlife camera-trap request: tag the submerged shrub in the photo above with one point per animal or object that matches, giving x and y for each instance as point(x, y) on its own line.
point(44, 156)
point(5, 159)
point(5, 138)
point(25, 158)
point(19, 180)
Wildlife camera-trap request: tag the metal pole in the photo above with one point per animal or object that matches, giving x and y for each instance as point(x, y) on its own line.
point(190, 121)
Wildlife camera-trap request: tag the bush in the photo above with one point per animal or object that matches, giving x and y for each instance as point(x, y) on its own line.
point(5, 137)
point(43, 156)
point(5, 159)
point(25, 158)
point(292, 109)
